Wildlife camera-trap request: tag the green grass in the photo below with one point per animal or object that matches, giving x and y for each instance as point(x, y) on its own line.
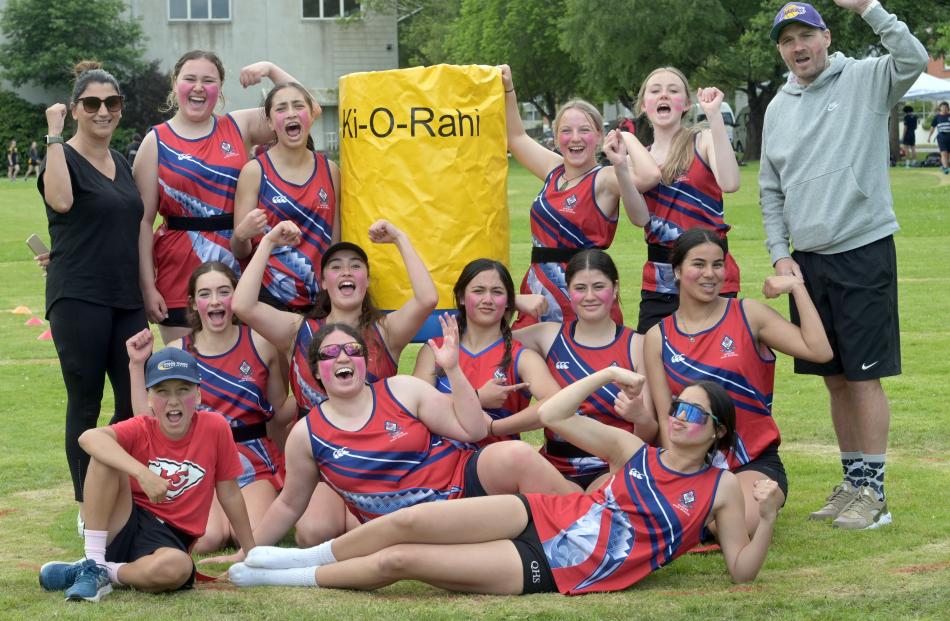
point(901, 571)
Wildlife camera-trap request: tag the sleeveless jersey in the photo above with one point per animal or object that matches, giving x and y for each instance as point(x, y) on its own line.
point(645, 516)
point(727, 354)
point(569, 361)
point(694, 200)
point(483, 366)
point(564, 219)
point(196, 179)
point(292, 274)
point(392, 462)
point(379, 363)
point(235, 384)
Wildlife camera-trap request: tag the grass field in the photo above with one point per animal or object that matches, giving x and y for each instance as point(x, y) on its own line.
point(901, 571)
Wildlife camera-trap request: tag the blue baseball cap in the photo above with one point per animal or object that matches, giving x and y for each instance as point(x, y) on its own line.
point(800, 12)
point(171, 363)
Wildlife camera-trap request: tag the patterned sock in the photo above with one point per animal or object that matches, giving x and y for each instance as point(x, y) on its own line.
point(270, 557)
point(874, 474)
point(244, 576)
point(852, 463)
point(96, 545)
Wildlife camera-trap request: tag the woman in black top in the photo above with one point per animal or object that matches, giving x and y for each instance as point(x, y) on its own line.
point(93, 301)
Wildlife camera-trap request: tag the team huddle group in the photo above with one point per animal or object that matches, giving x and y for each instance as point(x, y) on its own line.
point(656, 440)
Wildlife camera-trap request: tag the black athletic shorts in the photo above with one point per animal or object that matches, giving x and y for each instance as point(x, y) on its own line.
point(943, 141)
point(142, 535)
point(769, 464)
point(473, 485)
point(534, 564)
point(177, 318)
point(654, 307)
point(855, 293)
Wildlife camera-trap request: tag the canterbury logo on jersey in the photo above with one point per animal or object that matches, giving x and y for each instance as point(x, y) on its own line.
point(563, 366)
point(341, 452)
point(677, 358)
point(181, 475)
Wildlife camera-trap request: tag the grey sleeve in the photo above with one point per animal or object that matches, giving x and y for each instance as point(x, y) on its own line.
point(772, 201)
point(892, 74)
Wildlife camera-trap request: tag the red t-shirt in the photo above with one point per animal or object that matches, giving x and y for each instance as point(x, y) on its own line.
point(192, 465)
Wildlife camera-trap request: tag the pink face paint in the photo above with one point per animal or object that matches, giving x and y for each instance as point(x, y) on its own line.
point(577, 297)
point(213, 91)
point(305, 120)
point(359, 365)
point(190, 401)
point(606, 296)
point(325, 368)
point(158, 403)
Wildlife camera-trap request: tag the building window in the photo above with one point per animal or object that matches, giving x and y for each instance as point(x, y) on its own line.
point(183, 10)
point(330, 9)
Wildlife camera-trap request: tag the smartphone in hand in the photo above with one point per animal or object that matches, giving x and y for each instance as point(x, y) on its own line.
point(36, 245)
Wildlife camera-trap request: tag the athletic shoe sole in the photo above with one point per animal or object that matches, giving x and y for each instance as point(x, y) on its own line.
point(102, 592)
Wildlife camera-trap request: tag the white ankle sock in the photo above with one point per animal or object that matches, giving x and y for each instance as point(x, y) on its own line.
point(270, 557)
point(243, 576)
point(113, 571)
point(95, 545)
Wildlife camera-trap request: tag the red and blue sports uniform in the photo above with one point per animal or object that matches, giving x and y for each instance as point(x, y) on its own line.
point(196, 183)
point(235, 384)
point(379, 363)
point(728, 355)
point(392, 462)
point(483, 366)
point(292, 274)
point(569, 361)
point(693, 200)
point(645, 516)
point(562, 223)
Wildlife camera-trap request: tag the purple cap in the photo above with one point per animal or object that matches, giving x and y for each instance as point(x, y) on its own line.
point(800, 12)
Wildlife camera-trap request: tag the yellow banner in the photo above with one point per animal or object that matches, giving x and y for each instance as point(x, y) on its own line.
point(425, 148)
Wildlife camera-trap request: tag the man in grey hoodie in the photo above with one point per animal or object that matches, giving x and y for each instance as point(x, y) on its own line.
point(824, 187)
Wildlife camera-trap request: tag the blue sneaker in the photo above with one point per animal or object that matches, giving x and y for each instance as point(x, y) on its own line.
point(57, 576)
point(92, 583)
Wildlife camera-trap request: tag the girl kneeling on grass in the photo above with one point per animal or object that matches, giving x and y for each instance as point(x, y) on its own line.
point(150, 484)
point(651, 511)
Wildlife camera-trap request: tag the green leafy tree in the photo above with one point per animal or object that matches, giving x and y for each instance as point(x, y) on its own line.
point(423, 30)
point(145, 93)
point(524, 35)
point(45, 39)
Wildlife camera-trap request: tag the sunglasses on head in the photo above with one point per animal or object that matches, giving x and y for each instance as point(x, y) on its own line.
point(330, 352)
point(691, 413)
point(92, 104)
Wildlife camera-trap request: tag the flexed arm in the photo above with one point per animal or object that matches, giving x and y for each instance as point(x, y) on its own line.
point(533, 156)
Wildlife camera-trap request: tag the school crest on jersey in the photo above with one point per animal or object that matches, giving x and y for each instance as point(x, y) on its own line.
point(227, 149)
point(569, 204)
point(181, 475)
point(728, 347)
point(394, 430)
point(686, 502)
point(324, 198)
point(499, 374)
point(245, 369)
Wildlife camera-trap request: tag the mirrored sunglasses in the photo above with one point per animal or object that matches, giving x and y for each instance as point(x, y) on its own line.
point(691, 413)
point(330, 352)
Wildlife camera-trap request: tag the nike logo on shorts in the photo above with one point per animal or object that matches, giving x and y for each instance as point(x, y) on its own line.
point(832, 106)
point(865, 367)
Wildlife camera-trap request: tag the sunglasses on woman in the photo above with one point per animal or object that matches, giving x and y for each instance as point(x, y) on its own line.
point(330, 352)
point(92, 104)
point(691, 413)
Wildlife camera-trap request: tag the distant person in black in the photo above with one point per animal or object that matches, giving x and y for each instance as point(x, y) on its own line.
point(33, 163)
point(93, 300)
point(13, 161)
point(909, 139)
point(133, 148)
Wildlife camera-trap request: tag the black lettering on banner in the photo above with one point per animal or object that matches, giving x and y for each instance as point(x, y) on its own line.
point(372, 122)
point(382, 123)
point(424, 122)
